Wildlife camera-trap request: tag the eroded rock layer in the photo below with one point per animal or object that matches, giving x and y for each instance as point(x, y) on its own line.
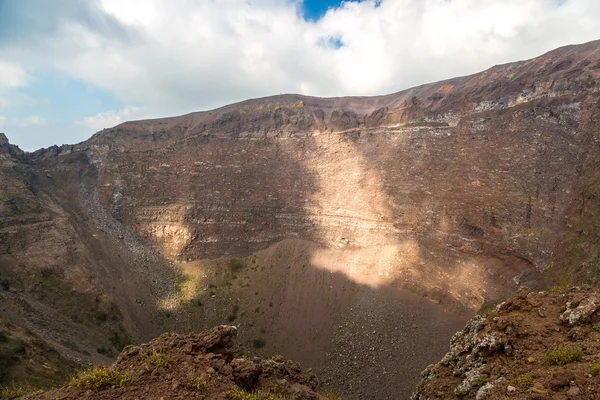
point(457, 191)
point(467, 182)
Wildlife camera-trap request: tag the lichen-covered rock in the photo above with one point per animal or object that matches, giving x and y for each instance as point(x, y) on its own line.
point(580, 312)
point(506, 351)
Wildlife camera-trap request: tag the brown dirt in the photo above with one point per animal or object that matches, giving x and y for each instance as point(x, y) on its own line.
point(204, 358)
point(297, 297)
point(504, 354)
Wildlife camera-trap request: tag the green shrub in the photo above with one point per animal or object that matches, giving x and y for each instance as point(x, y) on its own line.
point(160, 360)
point(332, 396)
point(239, 394)
point(480, 382)
point(524, 380)
point(197, 303)
point(119, 339)
point(236, 264)
point(596, 328)
point(563, 355)
point(13, 392)
point(104, 350)
point(258, 343)
point(100, 316)
point(197, 385)
point(231, 317)
point(594, 370)
point(99, 377)
point(13, 346)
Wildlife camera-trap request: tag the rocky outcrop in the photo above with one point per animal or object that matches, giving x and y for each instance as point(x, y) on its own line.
point(534, 345)
point(200, 365)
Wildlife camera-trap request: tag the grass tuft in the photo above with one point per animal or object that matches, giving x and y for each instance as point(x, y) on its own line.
point(238, 394)
point(562, 355)
point(236, 264)
point(197, 385)
point(160, 360)
point(524, 380)
point(594, 370)
point(13, 392)
point(99, 377)
point(332, 396)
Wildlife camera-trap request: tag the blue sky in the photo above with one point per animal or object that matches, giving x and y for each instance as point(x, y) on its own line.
point(315, 9)
point(69, 68)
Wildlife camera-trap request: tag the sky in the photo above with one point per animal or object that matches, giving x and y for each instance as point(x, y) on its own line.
point(69, 68)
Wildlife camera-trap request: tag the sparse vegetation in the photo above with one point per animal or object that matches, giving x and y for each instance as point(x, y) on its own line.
point(523, 380)
point(119, 338)
point(563, 355)
point(234, 311)
point(258, 343)
point(105, 351)
point(236, 264)
point(480, 382)
point(333, 396)
point(239, 394)
point(14, 392)
point(564, 283)
point(196, 302)
point(99, 377)
point(160, 360)
point(596, 328)
point(197, 385)
point(594, 370)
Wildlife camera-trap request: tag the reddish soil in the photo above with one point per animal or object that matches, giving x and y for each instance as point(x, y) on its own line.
point(536, 345)
point(198, 366)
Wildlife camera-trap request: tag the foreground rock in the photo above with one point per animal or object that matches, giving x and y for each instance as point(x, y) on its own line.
point(533, 346)
point(192, 366)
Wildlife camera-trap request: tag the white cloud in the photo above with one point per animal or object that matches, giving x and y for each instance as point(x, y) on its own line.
point(27, 122)
point(176, 56)
point(12, 76)
point(33, 120)
point(108, 119)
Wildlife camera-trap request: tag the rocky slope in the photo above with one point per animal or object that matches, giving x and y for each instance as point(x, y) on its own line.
point(535, 345)
point(194, 366)
point(28, 361)
point(289, 214)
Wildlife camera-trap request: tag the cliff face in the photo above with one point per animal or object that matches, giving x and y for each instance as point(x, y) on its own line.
point(457, 191)
point(471, 177)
